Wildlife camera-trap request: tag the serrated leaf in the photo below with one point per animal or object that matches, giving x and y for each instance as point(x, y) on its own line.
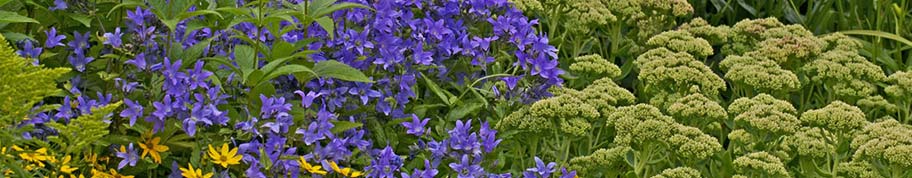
point(338, 70)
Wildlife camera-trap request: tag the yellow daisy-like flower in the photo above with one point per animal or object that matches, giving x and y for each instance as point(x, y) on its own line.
point(347, 172)
point(113, 174)
point(72, 176)
point(311, 168)
point(36, 157)
point(65, 167)
point(189, 172)
point(151, 147)
point(223, 156)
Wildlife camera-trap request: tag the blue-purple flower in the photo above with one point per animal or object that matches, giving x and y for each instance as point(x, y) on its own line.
point(58, 5)
point(53, 40)
point(416, 126)
point(466, 169)
point(29, 50)
point(129, 156)
point(541, 169)
point(132, 111)
point(385, 164)
point(113, 39)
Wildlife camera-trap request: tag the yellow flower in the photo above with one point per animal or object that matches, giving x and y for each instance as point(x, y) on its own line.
point(223, 156)
point(65, 168)
point(151, 147)
point(311, 168)
point(72, 176)
point(36, 157)
point(194, 173)
point(113, 174)
point(347, 172)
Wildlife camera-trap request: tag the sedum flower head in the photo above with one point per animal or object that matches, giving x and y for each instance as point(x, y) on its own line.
point(758, 73)
point(745, 104)
point(887, 141)
point(900, 85)
point(595, 65)
point(837, 117)
point(679, 172)
point(746, 33)
point(697, 110)
point(600, 160)
point(690, 143)
point(811, 142)
point(845, 69)
point(872, 104)
point(682, 41)
point(716, 35)
point(859, 169)
point(585, 15)
point(640, 124)
point(661, 68)
point(605, 95)
point(566, 112)
point(839, 41)
point(760, 164)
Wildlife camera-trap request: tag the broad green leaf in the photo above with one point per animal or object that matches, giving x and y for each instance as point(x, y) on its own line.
point(342, 126)
point(13, 36)
point(328, 24)
point(285, 70)
point(338, 70)
point(12, 17)
point(245, 57)
point(436, 89)
point(465, 109)
point(281, 49)
point(83, 19)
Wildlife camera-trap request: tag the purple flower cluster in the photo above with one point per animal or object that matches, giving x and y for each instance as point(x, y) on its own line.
point(398, 43)
point(183, 88)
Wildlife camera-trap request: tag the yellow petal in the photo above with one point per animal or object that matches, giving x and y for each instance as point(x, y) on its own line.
point(212, 153)
point(224, 149)
point(233, 152)
point(356, 174)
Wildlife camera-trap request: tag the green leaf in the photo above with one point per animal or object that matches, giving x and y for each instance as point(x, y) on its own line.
point(879, 34)
point(338, 70)
point(85, 20)
point(245, 57)
point(285, 70)
point(328, 24)
point(436, 89)
point(125, 4)
point(342, 126)
point(321, 12)
point(12, 17)
point(13, 36)
point(281, 49)
point(464, 110)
